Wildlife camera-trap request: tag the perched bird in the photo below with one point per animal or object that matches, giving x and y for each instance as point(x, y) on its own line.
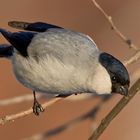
point(53, 60)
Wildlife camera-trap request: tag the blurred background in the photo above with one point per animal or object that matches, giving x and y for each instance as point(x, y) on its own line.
point(82, 16)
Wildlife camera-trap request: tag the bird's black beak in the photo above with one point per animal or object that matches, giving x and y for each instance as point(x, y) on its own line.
point(123, 90)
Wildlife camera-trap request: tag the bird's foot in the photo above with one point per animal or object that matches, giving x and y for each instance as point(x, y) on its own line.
point(37, 108)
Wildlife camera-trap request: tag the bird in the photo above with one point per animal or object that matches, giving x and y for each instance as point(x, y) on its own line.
point(57, 61)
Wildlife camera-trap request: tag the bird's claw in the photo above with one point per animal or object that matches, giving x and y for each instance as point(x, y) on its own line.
point(37, 108)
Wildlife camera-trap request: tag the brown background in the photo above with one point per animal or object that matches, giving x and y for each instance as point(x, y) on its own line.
point(80, 15)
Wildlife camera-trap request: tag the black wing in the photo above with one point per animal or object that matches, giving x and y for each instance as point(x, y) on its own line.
point(36, 26)
point(19, 40)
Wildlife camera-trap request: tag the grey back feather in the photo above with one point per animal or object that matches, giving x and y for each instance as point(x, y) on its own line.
point(65, 45)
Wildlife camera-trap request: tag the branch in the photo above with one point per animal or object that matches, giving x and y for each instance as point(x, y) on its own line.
point(13, 117)
point(113, 27)
point(115, 111)
point(18, 99)
point(35, 137)
point(118, 32)
point(88, 115)
point(132, 59)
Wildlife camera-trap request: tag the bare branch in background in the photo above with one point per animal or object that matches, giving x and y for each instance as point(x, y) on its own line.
point(35, 137)
point(113, 27)
point(11, 118)
point(136, 56)
point(132, 59)
point(18, 99)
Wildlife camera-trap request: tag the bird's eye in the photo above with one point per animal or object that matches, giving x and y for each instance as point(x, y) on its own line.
point(113, 78)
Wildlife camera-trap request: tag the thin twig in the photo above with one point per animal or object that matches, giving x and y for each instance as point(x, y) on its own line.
point(35, 137)
point(118, 32)
point(115, 111)
point(18, 99)
point(23, 98)
point(113, 27)
point(13, 117)
point(132, 59)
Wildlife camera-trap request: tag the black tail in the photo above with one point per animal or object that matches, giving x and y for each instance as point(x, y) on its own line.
point(6, 50)
point(36, 26)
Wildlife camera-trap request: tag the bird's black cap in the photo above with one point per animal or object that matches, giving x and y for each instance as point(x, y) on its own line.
point(118, 73)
